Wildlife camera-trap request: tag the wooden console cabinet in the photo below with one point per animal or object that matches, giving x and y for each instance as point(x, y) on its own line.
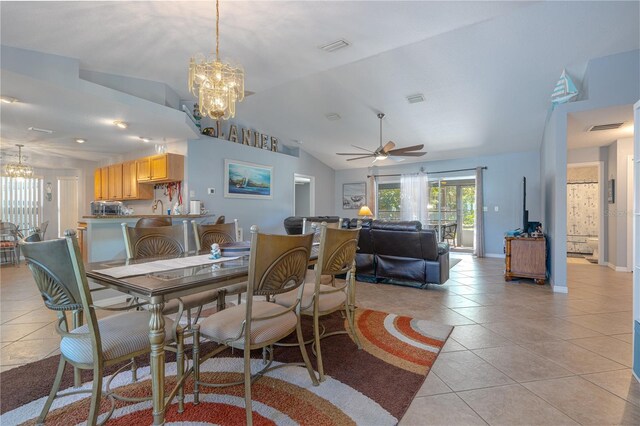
point(526, 257)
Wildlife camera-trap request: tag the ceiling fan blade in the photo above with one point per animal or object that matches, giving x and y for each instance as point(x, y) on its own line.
point(388, 146)
point(359, 158)
point(364, 149)
point(408, 154)
point(351, 153)
point(408, 148)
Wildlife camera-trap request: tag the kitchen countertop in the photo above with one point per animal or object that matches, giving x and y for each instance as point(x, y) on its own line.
point(138, 216)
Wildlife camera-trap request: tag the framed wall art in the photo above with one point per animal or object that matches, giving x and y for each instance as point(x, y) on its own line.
point(247, 180)
point(354, 195)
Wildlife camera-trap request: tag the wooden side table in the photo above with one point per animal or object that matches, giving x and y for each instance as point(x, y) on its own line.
point(526, 257)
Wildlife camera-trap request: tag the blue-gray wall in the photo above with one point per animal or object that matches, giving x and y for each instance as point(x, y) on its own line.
point(502, 188)
point(205, 169)
point(612, 81)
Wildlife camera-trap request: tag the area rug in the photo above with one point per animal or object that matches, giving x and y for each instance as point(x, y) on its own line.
point(374, 385)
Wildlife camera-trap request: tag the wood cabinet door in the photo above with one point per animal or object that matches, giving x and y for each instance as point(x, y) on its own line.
point(158, 165)
point(104, 183)
point(143, 169)
point(528, 257)
point(97, 185)
point(115, 181)
point(129, 180)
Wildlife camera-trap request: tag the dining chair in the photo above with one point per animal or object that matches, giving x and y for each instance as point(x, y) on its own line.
point(219, 233)
point(336, 256)
point(9, 237)
point(172, 240)
point(220, 220)
point(152, 222)
point(58, 270)
point(277, 264)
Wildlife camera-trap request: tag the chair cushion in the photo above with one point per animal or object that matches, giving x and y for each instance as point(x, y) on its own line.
point(7, 244)
point(121, 334)
point(328, 301)
point(227, 324)
point(191, 301)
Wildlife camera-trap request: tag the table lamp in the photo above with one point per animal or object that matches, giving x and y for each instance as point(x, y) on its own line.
point(365, 212)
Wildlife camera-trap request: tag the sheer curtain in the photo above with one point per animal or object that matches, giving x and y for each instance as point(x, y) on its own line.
point(478, 246)
point(414, 197)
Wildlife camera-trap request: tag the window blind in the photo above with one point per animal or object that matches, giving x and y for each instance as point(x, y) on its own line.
point(21, 201)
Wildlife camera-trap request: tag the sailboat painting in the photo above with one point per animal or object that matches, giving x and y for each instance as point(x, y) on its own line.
point(247, 180)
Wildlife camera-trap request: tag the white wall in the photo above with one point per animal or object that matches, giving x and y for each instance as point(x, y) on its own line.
point(502, 189)
point(617, 212)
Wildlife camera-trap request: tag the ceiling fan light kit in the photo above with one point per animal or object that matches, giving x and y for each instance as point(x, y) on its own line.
point(385, 151)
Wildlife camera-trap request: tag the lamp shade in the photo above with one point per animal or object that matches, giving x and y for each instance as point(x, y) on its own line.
point(365, 211)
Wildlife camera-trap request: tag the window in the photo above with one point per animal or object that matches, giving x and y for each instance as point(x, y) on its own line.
point(389, 201)
point(21, 201)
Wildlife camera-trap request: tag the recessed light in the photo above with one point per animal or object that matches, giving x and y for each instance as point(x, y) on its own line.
point(38, 129)
point(143, 139)
point(121, 124)
point(414, 99)
point(333, 116)
point(7, 99)
point(80, 140)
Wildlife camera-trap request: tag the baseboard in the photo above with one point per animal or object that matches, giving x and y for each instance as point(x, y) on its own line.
point(618, 268)
point(495, 255)
point(559, 289)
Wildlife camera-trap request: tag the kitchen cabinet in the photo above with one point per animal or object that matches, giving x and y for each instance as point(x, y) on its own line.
point(161, 168)
point(115, 181)
point(101, 183)
point(131, 189)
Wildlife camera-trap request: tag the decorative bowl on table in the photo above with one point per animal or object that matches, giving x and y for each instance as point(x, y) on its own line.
point(240, 248)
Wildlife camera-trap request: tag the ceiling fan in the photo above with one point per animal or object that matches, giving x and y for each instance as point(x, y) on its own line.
point(386, 151)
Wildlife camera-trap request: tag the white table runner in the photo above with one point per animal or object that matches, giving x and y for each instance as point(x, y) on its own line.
point(161, 265)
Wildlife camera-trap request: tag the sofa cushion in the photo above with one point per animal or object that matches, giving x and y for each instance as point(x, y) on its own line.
point(293, 224)
point(409, 225)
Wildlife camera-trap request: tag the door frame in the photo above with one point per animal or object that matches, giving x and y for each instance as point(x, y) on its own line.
point(629, 215)
point(601, 206)
point(312, 193)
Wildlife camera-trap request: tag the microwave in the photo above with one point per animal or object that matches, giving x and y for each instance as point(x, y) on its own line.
point(106, 208)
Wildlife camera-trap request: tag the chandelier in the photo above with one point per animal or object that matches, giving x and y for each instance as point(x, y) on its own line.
point(217, 85)
point(19, 169)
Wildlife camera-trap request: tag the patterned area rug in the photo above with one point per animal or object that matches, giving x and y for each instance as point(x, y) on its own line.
point(374, 385)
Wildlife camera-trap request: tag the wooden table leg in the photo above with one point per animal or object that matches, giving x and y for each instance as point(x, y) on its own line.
point(156, 338)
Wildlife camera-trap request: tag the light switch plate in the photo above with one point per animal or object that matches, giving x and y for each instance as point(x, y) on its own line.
point(211, 191)
point(496, 208)
point(485, 208)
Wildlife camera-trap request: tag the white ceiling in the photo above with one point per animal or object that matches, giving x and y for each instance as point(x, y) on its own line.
point(578, 124)
point(486, 68)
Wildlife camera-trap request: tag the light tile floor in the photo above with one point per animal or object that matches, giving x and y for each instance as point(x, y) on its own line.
point(520, 354)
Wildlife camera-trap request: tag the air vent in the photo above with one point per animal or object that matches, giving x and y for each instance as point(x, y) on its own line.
point(610, 126)
point(333, 116)
point(336, 45)
point(414, 99)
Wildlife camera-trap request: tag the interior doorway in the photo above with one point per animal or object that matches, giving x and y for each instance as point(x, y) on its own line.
point(304, 190)
point(67, 204)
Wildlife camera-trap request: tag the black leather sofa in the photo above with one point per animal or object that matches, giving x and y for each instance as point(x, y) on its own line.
point(397, 252)
point(293, 224)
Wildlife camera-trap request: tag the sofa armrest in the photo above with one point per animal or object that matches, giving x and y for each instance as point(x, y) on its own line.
point(443, 248)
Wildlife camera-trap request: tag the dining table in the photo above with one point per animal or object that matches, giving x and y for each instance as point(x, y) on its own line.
point(160, 279)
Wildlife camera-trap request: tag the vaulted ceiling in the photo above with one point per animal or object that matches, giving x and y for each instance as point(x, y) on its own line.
point(486, 69)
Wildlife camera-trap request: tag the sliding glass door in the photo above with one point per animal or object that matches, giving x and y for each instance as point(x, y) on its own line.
point(451, 210)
